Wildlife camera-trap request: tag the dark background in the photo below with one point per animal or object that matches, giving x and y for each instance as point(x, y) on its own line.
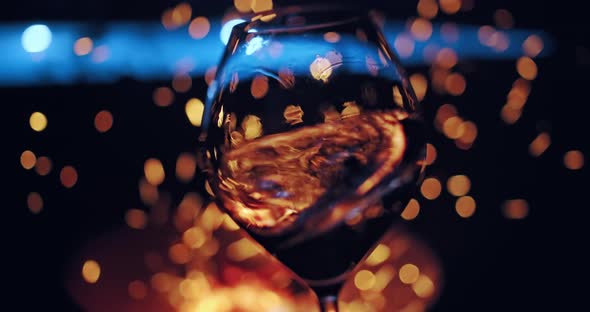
point(490, 263)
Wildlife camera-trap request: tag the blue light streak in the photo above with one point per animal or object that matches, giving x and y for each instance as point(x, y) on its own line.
point(148, 52)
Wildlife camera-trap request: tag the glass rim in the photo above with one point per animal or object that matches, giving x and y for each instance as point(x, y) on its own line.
point(350, 14)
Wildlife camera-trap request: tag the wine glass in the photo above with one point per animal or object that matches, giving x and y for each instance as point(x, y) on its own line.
point(312, 138)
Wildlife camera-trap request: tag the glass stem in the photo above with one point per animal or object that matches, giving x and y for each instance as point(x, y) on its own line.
point(329, 304)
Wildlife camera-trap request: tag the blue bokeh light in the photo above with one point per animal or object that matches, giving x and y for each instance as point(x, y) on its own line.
point(36, 38)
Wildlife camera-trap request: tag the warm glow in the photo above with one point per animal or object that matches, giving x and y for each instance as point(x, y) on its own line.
point(364, 280)
point(83, 46)
point(136, 219)
point(332, 37)
point(38, 121)
point(455, 84)
point(68, 176)
point(515, 209)
point(179, 254)
point(468, 131)
point(409, 273)
point(430, 154)
point(163, 96)
point(261, 5)
point(383, 277)
point(182, 83)
point(43, 166)
point(379, 255)
point(186, 165)
point(503, 19)
point(423, 287)
point(194, 237)
point(533, 45)
point(450, 6)
point(194, 111)
point(199, 27)
point(451, 127)
point(243, 6)
point(154, 171)
point(427, 8)
point(431, 188)
point(421, 29)
point(137, 290)
point(526, 68)
point(259, 86)
point(465, 206)
point(91, 271)
point(252, 127)
point(411, 211)
point(510, 115)
point(28, 159)
point(420, 85)
point(241, 250)
point(540, 144)
point(573, 160)
point(103, 121)
point(446, 58)
point(443, 113)
point(458, 185)
point(35, 202)
point(181, 14)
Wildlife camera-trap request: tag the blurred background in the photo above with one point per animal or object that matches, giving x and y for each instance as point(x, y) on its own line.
point(104, 100)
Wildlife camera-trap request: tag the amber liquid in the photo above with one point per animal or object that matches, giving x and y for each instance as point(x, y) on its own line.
point(318, 196)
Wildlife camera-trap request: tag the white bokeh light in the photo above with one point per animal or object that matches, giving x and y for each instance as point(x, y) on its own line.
point(36, 38)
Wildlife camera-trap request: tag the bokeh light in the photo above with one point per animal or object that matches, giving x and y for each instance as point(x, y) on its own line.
point(450, 6)
point(431, 188)
point(199, 27)
point(194, 109)
point(35, 202)
point(91, 271)
point(465, 206)
point(540, 144)
point(103, 121)
point(515, 209)
point(136, 219)
point(28, 159)
point(533, 46)
point(411, 211)
point(36, 38)
point(38, 121)
point(573, 160)
point(83, 46)
point(364, 280)
point(163, 96)
point(68, 176)
point(458, 185)
point(154, 171)
point(43, 165)
point(409, 273)
point(427, 8)
point(526, 68)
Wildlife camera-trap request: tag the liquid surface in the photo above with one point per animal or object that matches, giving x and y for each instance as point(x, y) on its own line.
point(272, 183)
